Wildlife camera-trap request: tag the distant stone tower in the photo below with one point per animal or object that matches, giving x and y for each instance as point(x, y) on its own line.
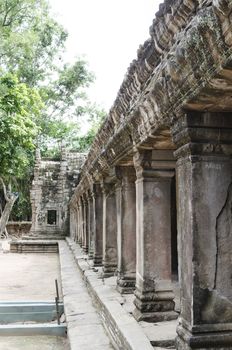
point(51, 191)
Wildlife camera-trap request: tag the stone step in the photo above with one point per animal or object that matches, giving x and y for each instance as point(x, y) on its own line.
point(34, 246)
point(161, 334)
point(29, 312)
point(33, 329)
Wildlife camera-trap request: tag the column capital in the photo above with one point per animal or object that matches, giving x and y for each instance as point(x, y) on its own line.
point(83, 200)
point(107, 187)
point(203, 133)
point(126, 173)
point(109, 183)
point(97, 189)
point(89, 195)
point(154, 163)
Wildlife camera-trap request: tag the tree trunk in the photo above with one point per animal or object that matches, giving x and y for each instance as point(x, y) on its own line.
point(6, 213)
point(10, 198)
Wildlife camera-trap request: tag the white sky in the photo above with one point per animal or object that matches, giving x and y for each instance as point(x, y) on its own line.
point(107, 33)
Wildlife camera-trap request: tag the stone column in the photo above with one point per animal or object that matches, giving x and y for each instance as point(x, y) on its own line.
point(204, 177)
point(76, 223)
point(72, 223)
point(154, 292)
point(91, 223)
point(126, 228)
point(85, 224)
point(79, 226)
point(82, 223)
point(109, 229)
point(97, 225)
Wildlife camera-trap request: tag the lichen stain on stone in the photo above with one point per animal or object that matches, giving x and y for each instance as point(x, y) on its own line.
point(218, 302)
point(223, 280)
point(216, 309)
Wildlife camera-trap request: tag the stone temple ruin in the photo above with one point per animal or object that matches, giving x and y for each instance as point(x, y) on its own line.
point(159, 171)
point(51, 190)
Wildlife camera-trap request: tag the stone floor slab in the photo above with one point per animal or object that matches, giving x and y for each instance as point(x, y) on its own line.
point(85, 330)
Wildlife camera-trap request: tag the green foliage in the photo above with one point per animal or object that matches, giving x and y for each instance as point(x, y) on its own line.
point(95, 117)
point(20, 107)
point(22, 209)
point(41, 99)
point(29, 39)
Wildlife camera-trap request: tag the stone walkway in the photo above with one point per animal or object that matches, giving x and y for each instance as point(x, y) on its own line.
point(85, 330)
point(117, 310)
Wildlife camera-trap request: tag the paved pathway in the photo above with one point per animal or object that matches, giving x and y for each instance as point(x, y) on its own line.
point(85, 330)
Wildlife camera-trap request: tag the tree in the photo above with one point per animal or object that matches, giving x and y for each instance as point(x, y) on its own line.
point(30, 39)
point(40, 96)
point(20, 106)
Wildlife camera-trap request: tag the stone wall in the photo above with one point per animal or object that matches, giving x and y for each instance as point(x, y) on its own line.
point(18, 228)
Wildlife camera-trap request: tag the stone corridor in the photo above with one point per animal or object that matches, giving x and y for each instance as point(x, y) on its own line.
point(159, 171)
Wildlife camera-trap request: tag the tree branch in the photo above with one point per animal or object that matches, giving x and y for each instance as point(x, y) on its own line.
point(4, 189)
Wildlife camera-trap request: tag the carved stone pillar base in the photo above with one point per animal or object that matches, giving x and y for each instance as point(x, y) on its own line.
point(125, 285)
point(154, 316)
point(204, 341)
point(85, 248)
point(154, 306)
point(109, 270)
point(97, 260)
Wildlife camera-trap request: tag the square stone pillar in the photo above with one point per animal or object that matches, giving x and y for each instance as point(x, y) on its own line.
point(204, 177)
point(76, 223)
point(109, 229)
point(126, 228)
point(91, 223)
point(80, 222)
point(72, 222)
point(154, 292)
point(85, 224)
point(97, 225)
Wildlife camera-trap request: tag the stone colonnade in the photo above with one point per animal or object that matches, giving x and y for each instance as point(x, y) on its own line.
point(124, 221)
point(124, 224)
point(170, 123)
